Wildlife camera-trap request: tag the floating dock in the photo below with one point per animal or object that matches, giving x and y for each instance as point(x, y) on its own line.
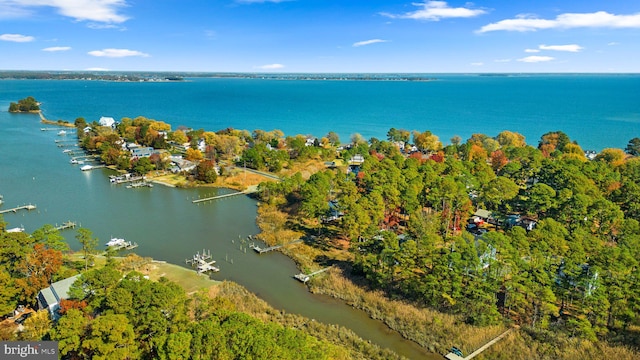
point(16, 209)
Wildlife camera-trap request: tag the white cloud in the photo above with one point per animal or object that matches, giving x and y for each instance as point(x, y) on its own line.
point(436, 10)
point(536, 59)
point(96, 69)
point(600, 19)
point(269, 67)
point(569, 48)
point(57, 48)
point(613, 43)
point(16, 38)
point(93, 10)
point(531, 50)
point(477, 63)
point(117, 53)
point(369, 42)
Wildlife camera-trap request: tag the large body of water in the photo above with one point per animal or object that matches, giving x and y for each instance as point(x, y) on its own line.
point(597, 111)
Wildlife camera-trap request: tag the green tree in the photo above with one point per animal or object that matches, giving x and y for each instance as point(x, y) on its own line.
point(88, 242)
point(498, 191)
point(70, 332)
point(142, 166)
point(37, 326)
point(111, 336)
point(633, 147)
point(51, 238)
point(9, 293)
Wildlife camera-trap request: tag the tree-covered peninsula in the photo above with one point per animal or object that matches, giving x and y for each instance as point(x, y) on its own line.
point(28, 104)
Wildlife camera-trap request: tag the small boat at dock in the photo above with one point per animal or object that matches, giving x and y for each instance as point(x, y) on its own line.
point(120, 243)
point(86, 168)
point(62, 133)
point(116, 242)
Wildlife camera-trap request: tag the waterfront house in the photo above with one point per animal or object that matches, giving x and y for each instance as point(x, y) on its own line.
point(107, 121)
point(141, 151)
point(180, 165)
point(49, 298)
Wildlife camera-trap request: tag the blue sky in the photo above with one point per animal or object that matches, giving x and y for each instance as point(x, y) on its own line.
point(321, 35)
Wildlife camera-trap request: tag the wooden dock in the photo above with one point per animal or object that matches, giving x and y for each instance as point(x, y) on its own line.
point(453, 356)
point(306, 277)
point(139, 184)
point(66, 225)
point(121, 179)
point(260, 250)
point(246, 192)
point(16, 209)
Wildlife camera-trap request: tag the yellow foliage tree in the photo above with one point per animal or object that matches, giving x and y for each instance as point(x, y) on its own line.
point(193, 155)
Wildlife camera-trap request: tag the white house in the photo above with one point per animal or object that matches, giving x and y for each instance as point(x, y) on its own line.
point(106, 121)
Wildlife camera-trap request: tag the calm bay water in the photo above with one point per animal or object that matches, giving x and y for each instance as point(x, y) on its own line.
point(598, 111)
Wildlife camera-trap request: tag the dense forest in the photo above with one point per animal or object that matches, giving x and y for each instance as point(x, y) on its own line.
point(559, 251)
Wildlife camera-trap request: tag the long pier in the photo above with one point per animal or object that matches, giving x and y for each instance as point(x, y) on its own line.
point(453, 356)
point(250, 190)
point(16, 209)
point(260, 250)
point(306, 277)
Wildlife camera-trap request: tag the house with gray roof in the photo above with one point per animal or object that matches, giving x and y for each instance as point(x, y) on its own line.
point(50, 297)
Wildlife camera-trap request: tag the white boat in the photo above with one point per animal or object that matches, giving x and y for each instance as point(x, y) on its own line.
point(117, 242)
point(86, 167)
point(62, 133)
point(66, 151)
point(16, 230)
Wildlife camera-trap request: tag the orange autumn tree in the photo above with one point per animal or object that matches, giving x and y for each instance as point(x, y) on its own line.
point(37, 269)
